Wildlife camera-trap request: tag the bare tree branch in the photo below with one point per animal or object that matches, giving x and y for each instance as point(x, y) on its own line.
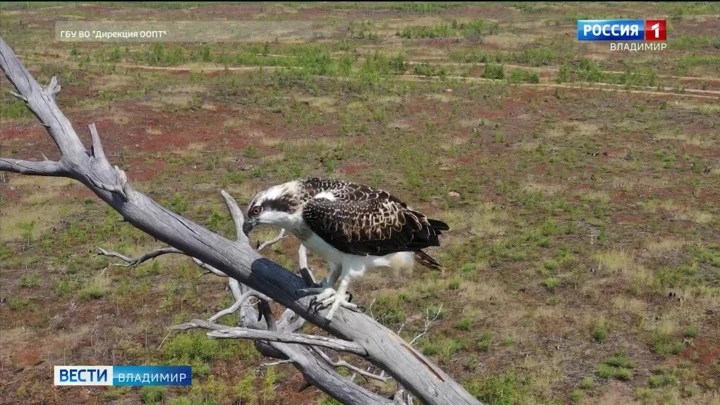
point(290, 321)
point(275, 363)
point(19, 96)
point(222, 331)
point(132, 262)
point(237, 217)
point(240, 298)
point(273, 241)
point(44, 168)
point(398, 398)
point(236, 259)
point(233, 308)
point(342, 363)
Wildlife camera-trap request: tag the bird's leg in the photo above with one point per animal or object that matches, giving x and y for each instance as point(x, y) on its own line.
point(326, 294)
point(335, 270)
point(338, 298)
point(325, 286)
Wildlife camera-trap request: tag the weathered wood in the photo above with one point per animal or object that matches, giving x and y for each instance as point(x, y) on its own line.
point(236, 259)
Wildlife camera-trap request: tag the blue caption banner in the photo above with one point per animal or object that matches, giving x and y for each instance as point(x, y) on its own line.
point(127, 376)
point(611, 30)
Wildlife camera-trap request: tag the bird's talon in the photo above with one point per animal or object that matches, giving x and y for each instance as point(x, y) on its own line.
point(311, 305)
point(349, 297)
point(318, 307)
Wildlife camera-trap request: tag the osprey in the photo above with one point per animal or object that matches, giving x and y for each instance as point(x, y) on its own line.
point(355, 228)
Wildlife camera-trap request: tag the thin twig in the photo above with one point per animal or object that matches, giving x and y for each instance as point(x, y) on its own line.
point(428, 322)
point(132, 262)
point(163, 341)
point(276, 363)
point(232, 308)
point(273, 241)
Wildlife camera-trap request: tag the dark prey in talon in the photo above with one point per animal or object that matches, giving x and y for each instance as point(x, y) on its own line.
point(352, 226)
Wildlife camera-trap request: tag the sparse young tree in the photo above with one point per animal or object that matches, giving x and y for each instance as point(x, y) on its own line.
point(250, 274)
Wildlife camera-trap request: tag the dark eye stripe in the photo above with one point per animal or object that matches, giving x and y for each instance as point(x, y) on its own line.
point(277, 205)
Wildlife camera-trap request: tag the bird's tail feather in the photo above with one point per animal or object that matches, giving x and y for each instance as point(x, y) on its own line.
point(428, 261)
point(438, 225)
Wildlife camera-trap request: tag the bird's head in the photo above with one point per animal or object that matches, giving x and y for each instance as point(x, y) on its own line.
point(274, 206)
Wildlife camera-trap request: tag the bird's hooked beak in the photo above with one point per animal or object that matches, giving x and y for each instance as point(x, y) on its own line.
point(248, 226)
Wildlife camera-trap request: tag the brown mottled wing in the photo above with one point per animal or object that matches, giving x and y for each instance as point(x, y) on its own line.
point(376, 226)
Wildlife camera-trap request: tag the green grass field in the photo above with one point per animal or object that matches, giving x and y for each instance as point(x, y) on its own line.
point(581, 186)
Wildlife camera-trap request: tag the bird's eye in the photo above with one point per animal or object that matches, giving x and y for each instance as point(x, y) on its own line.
point(257, 210)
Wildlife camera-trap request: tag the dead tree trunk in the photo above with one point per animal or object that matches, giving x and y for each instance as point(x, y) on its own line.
point(353, 332)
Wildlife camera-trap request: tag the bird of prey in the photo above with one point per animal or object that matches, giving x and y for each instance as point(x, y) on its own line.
point(353, 227)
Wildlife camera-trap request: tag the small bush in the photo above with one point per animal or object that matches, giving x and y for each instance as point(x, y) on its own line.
point(151, 395)
point(550, 264)
point(430, 349)
point(664, 344)
point(493, 71)
point(619, 360)
point(504, 389)
point(617, 366)
point(656, 381)
point(17, 303)
point(468, 268)
point(484, 342)
point(92, 292)
point(30, 281)
point(464, 324)
point(523, 76)
point(604, 371)
point(623, 374)
point(600, 332)
point(587, 383)
point(550, 283)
